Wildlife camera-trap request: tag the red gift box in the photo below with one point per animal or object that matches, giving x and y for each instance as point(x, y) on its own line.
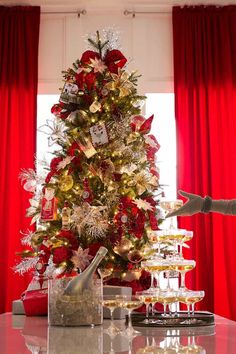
point(35, 302)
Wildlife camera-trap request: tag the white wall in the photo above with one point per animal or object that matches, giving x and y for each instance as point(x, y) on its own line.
point(146, 40)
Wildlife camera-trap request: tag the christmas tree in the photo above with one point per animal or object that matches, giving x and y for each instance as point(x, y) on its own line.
point(101, 185)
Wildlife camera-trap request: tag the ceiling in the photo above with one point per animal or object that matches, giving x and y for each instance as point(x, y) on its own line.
point(112, 4)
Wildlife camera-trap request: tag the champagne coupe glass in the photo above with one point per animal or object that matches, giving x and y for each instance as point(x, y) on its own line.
point(130, 303)
point(155, 239)
point(167, 298)
point(187, 237)
point(183, 266)
point(175, 236)
point(148, 298)
point(148, 266)
point(169, 206)
point(190, 298)
point(155, 267)
point(111, 302)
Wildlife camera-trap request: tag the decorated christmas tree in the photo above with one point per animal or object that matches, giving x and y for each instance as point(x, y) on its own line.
point(101, 187)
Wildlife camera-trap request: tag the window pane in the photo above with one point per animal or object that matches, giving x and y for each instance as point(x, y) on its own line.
point(163, 127)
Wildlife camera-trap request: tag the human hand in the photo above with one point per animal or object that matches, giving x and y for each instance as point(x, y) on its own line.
point(192, 206)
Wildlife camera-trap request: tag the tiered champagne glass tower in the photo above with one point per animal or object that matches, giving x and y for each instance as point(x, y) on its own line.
point(169, 262)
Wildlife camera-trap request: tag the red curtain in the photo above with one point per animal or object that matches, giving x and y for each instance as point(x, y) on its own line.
point(205, 108)
point(19, 37)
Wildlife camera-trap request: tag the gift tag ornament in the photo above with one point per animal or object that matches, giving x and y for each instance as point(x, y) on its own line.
point(69, 93)
point(86, 146)
point(87, 194)
point(98, 134)
point(49, 205)
point(95, 106)
point(65, 183)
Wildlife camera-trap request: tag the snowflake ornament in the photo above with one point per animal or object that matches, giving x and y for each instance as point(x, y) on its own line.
point(81, 258)
point(143, 204)
point(98, 65)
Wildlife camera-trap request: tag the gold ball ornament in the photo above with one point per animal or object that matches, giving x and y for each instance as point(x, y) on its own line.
point(135, 256)
point(123, 247)
point(66, 183)
point(35, 241)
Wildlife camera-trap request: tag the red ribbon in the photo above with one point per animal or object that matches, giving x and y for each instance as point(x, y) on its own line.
point(113, 59)
point(141, 125)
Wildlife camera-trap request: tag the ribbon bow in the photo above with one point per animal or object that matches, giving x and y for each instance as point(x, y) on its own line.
point(113, 59)
point(141, 125)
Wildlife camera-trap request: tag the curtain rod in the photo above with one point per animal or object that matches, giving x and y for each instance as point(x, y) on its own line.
point(126, 12)
point(78, 13)
point(134, 13)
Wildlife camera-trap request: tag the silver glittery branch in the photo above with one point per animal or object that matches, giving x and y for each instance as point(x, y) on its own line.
point(26, 239)
point(25, 265)
point(109, 35)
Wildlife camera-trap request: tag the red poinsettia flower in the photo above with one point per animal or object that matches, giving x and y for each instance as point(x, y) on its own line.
point(61, 254)
point(70, 237)
point(74, 149)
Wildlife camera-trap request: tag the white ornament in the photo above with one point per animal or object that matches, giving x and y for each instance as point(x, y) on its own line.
point(98, 134)
point(124, 219)
point(66, 161)
point(143, 204)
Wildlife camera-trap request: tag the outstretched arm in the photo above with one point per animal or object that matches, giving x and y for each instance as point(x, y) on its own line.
point(192, 206)
point(196, 204)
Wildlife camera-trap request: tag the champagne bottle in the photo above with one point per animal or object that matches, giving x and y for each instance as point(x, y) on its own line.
point(83, 281)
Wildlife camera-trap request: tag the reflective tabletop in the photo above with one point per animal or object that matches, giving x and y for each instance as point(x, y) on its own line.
point(21, 335)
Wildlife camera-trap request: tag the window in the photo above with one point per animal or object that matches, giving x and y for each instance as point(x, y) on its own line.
point(163, 127)
point(44, 152)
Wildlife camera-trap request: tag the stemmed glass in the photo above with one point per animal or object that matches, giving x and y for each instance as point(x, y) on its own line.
point(183, 266)
point(130, 303)
point(147, 300)
point(111, 302)
point(167, 297)
point(187, 237)
point(104, 273)
point(190, 298)
point(156, 238)
point(155, 267)
point(169, 206)
point(175, 237)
